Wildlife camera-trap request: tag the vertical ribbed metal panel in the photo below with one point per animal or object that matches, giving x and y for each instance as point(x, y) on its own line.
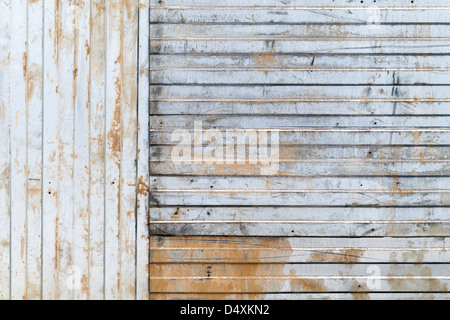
point(357, 93)
point(74, 177)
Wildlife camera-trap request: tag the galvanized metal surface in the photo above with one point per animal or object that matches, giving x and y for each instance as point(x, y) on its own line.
point(359, 93)
point(74, 149)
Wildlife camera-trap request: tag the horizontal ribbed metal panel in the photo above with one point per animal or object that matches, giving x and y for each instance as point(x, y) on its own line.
point(357, 94)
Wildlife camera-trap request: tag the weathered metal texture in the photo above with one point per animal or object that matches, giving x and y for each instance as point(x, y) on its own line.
point(363, 118)
point(74, 152)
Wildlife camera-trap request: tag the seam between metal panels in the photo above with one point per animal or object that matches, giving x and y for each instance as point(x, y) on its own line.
point(42, 154)
point(299, 249)
point(10, 161)
point(149, 155)
point(302, 38)
point(27, 161)
point(302, 8)
point(246, 191)
point(89, 157)
point(105, 147)
point(302, 100)
point(304, 69)
point(304, 222)
point(305, 277)
point(137, 155)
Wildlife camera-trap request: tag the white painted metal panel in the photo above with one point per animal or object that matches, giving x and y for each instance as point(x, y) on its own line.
point(69, 117)
point(5, 153)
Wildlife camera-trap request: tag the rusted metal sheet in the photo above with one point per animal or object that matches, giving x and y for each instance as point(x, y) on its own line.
point(352, 202)
point(73, 164)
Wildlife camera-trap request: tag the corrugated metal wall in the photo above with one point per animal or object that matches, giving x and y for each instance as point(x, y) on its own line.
point(358, 93)
point(74, 149)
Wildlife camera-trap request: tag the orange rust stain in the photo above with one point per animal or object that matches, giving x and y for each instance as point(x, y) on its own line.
point(411, 284)
point(84, 284)
point(396, 185)
point(52, 157)
point(75, 73)
point(247, 265)
point(227, 169)
point(25, 64)
point(131, 9)
point(414, 268)
point(360, 291)
point(265, 60)
point(307, 285)
point(143, 188)
point(98, 139)
point(88, 50)
point(22, 247)
point(114, 135)
point(56, 260)
point(421, 157)
point(34, 81)
point(58, 31)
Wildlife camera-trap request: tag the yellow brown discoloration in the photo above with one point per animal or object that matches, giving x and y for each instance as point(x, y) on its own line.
point(415, 268)
point(143, 188)
point(307, 285)
point(114, 135)
point(360, 291)
point(248, 287)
